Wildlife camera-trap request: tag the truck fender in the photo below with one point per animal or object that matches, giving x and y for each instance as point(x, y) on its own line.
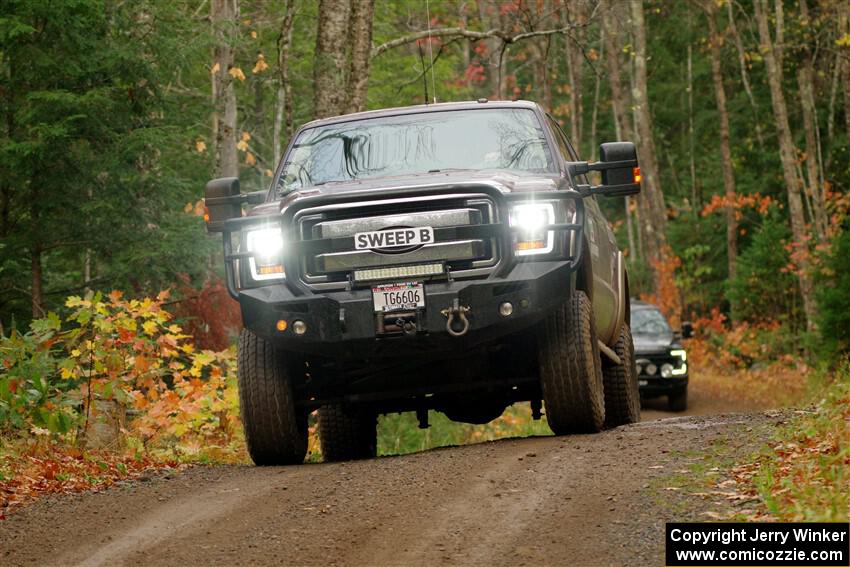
point(622, 296)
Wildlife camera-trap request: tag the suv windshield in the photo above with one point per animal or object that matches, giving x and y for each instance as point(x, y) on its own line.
point(480, 139)
point(649, 322)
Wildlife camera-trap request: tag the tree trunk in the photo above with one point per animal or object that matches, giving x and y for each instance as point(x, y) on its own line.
point(651, 200)
point(814, 166)
point(725, 150)
point(807, 100)
point(594, 117)
point(491, 20)
point(843, 17)
point(37, 288)
point(360, 39)
point(742, 65)
point(788, 155)
point(283, 112)
point(330, 64)
point(695, 193)
point(225, 20)
point(612, 47)
point(573, 14)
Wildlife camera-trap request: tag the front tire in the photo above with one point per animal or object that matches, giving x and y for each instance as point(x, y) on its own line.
point(275, 431)
point(678, 401)
point(622, 398)
point(570, 369)
point(347, 433)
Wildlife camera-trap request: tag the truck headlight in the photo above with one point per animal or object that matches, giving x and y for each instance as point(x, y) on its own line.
point(267, 245)
point(530, 218)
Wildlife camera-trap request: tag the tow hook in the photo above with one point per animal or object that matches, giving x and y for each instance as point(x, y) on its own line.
point(456, 314)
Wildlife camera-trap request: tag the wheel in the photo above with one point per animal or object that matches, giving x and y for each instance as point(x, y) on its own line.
point(622, 398)
point(347, 433)
point(275, 431)
point(678, 401)
point(570, 369)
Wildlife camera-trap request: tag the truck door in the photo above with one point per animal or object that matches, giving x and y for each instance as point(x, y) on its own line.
point(603, 253)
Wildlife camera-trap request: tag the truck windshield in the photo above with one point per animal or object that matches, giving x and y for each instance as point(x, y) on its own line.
point(649, 322)
point(485, 139)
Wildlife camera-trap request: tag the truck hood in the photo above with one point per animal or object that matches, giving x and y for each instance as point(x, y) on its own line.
point(654, 344)
point(505, 181)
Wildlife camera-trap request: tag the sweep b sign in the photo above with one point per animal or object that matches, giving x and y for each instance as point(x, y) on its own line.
point(394, 240)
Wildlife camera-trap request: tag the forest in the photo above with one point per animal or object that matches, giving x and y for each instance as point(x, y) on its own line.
point(115, 115)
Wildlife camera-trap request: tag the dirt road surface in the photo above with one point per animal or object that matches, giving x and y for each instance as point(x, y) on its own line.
point(592, 500)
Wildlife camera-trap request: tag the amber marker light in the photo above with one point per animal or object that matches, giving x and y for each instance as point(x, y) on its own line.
point(636, 174)
point(206, 214)
point(281, 325)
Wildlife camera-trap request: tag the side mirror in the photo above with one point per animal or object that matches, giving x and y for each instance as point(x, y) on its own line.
point(687, 330)
point(620, 171)
point(223, 201)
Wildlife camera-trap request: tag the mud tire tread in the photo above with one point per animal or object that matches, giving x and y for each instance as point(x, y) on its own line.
point(570, 369)
point(622, 397)
point(347, 434)
point(678, 401)
point(275, 432)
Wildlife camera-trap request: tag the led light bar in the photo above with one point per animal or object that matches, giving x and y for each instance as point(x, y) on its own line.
point(398, 272)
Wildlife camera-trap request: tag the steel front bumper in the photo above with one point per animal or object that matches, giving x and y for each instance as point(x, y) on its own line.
point(344, 323)
point(651, 386)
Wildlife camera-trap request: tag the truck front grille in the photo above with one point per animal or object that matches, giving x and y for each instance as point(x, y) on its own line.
point(463, 257)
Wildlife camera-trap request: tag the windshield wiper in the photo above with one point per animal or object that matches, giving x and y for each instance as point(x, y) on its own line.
point(447, 169)
point(333, 181)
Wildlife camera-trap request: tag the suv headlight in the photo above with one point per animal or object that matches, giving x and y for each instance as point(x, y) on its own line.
point(530, 218)
point(267, 245)
point(682, 367)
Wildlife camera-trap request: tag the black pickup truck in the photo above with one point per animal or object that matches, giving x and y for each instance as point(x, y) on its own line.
point(449, 257)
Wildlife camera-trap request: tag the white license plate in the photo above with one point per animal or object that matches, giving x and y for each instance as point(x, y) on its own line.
point(391, 238)
point(399, 296)
point(642, 382)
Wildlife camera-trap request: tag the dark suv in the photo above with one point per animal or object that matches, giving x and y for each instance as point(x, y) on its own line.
point(661, 360)
point(449, 257)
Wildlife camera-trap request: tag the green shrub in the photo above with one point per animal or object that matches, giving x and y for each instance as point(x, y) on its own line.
point(763, 289)
point(834, 296)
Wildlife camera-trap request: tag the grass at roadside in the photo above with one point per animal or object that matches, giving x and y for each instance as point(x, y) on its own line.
point(398, 434)
point(800, 473)
point(805, 474)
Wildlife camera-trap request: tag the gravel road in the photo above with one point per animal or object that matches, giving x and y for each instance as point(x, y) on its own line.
point(592, 500)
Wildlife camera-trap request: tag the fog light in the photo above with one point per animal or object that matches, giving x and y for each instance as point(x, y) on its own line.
point(281, 325)
point(651, 369)
point(505, 309)
point(299, 327)
point(666, 370)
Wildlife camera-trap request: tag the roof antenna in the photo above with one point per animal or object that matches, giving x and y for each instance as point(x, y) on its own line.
point(431, 50)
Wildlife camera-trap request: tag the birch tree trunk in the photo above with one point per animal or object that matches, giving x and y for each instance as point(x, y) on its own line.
point(225, 20)
point(330, 63)
point(725, 150)
point(788, 155)
point(360, 39)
